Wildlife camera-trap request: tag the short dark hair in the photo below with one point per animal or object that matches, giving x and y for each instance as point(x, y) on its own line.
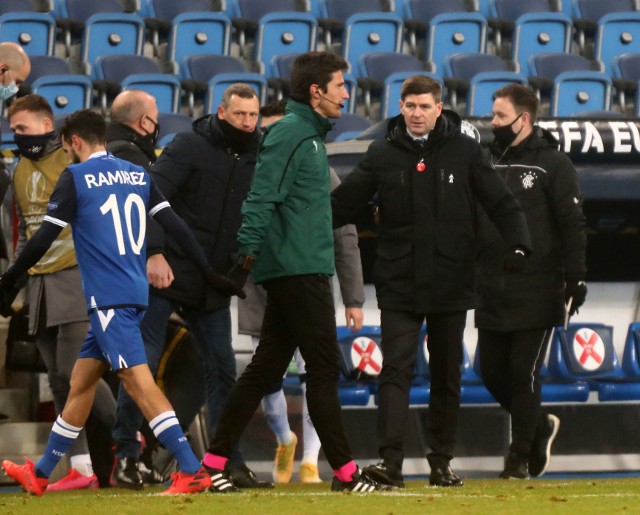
point(86, 124)
point(33, 104)
point(238, 89)
point(314, 68)
point(273, 108)
point(421, 85)
point(522, 97)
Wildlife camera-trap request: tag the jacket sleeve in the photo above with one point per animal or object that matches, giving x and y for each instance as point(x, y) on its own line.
point(566, 205)
point(498, 201)
point(169, 173)
point(355, 193)
point(348, 264)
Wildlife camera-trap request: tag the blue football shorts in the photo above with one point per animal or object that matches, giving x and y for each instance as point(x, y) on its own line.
point(114, 337)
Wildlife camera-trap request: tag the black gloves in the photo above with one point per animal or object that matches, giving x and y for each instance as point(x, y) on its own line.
point(224, 284)
point(238, 277)
point(577, 292)
point(9, 289)
point(515, 260)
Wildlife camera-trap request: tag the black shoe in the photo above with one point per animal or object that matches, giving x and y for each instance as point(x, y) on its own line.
point(359, 483)
point(150, 476)
point(444, 476)
point(540, 454)
point(243, 477)
point(515, 467)
point(220, 481)
point(125, 474)
point(385, 472)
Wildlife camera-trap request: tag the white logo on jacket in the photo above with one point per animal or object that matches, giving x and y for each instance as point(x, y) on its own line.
point(527, 180)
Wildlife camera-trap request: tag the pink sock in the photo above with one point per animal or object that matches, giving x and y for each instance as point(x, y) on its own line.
point(214, 462)
point(346, 472)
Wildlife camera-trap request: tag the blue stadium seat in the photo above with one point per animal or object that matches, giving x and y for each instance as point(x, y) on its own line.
point(16, 6)
point(42, 65)
point(574, 92)
point(483, 85)
point(361, 362)
point(347, 123)
point(377, 66)
point(283, 33)
point(35, 32)
point(618, 33)
point(455, 33)
point(111, 34)
point(587, 14)
point(171, 124)
point(626, 75)
point(586, 352)
point(540, 32)
point(165, 87)
point(545, 67)
point(222, 81)
point(417, 15)
point(504, 14)
point(198, 33)
point(459, 69)
point(631, 353)
point(370, 32)
point(391, 96)
point(65, 93)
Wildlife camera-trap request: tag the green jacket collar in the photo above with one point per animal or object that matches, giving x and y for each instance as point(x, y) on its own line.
point(318, 122)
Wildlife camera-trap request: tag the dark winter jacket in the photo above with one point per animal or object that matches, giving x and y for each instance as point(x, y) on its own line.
point(545, 183)
point(127, 144)
point(206, 181)
point(428, 216)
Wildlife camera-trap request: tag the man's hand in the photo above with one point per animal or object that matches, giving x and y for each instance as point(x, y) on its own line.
point(576, 290)
point(228, 284)
point(515, 260)
point(159, 272)
point(355, 318)
point(8, 293)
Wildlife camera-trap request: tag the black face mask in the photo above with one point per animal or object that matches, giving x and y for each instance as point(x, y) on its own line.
point(504, 135)
point(237, 139)
point(32, 146)
point(152, 137)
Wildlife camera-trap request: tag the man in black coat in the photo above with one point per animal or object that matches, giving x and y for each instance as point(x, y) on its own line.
point(132, 133)
point(429, 179)
point(205, 174)
point(518, 311)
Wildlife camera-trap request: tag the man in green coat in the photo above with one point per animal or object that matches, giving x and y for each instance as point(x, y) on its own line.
point(287, 233)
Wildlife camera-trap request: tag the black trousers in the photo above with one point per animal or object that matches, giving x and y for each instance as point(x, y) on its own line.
point(510, 365)
point(299, 313)
point(400, 331)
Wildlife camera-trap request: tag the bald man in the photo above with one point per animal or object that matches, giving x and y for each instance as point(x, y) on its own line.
point(133, 131)
point(15, 66)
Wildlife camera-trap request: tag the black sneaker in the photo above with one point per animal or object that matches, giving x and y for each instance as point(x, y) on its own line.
point(385, 472)
point(125, 474)
point(540, 454)
point(220, 481)
point(243, 477)
point(515, 467)
point(150, 475)
point(359, 483)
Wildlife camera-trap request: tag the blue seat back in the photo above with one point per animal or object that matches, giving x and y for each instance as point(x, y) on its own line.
point(348, 122)
point(284, 33)
point(540, 32)
point(510, 10)
point(115, 68)
point(16, 6)
point(631, 353)
point(281, 65)
point(370, 32)
point(455, 33)
point(165, 87)
point(361, 353)
point(425, 11)
point(199, 33)
point(65, 93)
point(550, 65)
point(42, 65)
point(35, 32)
point(596, 9)
point(379, 65)
point(111, 34)
point(390, 105)
point(627, 66)
point(466, 66)
point(583, 352)
point(171, 124)
point(343, 9)
point(168, 9)
point(205, 66)
point(618, 33)
point(82, 10)
point(222, 81)
point(574, 92)
point(482, 87)
point(256, 9)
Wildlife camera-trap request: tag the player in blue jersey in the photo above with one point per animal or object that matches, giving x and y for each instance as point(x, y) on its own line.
point(106, 201)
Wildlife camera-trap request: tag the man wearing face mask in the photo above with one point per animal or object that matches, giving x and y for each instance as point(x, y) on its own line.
point(518, 311)
point(205, 174)
point(133, 131)
point(430, 180)
point(57, 310)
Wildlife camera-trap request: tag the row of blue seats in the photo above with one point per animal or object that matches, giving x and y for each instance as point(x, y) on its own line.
point(581, 359)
